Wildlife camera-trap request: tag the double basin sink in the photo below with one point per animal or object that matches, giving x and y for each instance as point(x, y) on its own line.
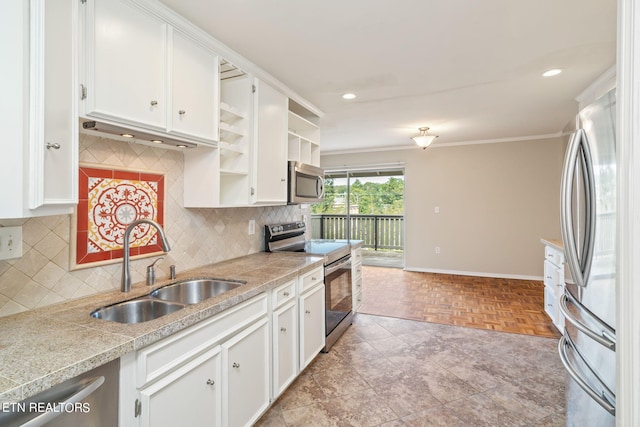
point(165, 300)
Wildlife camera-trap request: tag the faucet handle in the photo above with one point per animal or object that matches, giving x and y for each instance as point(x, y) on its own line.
point(153, 264)
point(151, 272)
point(172, 271)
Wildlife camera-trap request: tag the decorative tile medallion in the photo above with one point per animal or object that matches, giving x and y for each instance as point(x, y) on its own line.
point(110, 200)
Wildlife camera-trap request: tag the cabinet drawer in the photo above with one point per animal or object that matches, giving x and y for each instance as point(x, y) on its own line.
point(357, 300)
point(551, 275)
point(357, 286)
point(550, 304)
point(356, 256)
point(554, 256)
point(311, 278)
point(356, 270)
point(283, 294)
point(163, 356)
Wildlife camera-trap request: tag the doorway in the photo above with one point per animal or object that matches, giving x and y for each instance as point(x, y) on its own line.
point(365, 205)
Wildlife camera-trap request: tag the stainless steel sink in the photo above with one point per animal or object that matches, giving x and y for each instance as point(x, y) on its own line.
point(137, 310)
point(194, 291)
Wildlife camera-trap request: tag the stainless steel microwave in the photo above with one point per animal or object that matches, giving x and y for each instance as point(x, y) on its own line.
point(306, 183)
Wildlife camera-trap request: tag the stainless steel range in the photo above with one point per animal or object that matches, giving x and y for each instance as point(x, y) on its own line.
point(290, 237)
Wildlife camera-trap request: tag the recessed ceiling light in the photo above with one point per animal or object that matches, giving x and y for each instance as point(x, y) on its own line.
point(157, 141)
point(126, 135)
point(181, 146)
point(348, 95)
point(552, 72)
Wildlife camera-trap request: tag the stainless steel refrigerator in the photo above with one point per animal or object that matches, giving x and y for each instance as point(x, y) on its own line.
point(588, 224)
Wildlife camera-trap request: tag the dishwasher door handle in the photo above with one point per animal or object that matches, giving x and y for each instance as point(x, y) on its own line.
point(85, 391)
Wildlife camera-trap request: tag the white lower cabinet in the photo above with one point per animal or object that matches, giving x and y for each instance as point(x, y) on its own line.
point(554, 284)
point(228, 369)
point(199, 379)
point(285, 346)
point(214, 373)
point(356, 278)
point(312, 324)
point(245, 376)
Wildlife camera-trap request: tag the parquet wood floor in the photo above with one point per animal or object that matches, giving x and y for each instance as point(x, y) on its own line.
point(504, 305)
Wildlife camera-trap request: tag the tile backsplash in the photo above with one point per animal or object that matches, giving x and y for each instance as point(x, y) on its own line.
point(197, 236)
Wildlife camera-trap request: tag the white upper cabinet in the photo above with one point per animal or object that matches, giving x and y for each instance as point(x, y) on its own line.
point(53, 107)
point(39, 88)
point(142, 73)
point(125, 64)
point(194, 88)
point(269, 183)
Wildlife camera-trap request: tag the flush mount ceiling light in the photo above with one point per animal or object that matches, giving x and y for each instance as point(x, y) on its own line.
point(348, 95)
point(423, 139)
point(552, 72)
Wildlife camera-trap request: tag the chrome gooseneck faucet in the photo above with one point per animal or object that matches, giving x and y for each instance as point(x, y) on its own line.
point(125, 285)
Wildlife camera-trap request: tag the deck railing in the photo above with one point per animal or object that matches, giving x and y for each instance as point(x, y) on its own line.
point(376, 231)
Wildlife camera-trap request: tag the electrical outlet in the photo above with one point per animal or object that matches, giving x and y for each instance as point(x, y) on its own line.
point(436, 209)
point(252, 227)
point(10, 242)
point(437, 249)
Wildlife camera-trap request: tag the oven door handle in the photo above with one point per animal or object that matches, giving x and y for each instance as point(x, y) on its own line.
point(334, 267)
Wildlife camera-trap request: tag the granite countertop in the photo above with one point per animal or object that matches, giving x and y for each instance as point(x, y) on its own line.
point(555, 243)
point(44, 347)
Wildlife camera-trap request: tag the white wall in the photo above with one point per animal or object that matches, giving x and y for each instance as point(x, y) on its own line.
point(496, 201)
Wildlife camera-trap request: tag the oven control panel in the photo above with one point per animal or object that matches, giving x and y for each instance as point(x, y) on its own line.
point(286, 228)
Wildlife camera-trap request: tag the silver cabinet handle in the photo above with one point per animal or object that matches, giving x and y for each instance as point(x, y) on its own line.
point(154, 103)
point(606, 337)
point(55, 146)
point(285, 293)
point(236, 365)
point(307, 311)
point(210, 382)
point(182, 112)
point(283, 329)
point(601, 398)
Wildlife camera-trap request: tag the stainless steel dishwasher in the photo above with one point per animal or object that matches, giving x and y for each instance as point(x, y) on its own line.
point(90, 399)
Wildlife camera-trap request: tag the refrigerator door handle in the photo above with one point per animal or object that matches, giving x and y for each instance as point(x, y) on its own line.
point(590, 208)
point(579, 263)
point(603, 398)
point(607, 335)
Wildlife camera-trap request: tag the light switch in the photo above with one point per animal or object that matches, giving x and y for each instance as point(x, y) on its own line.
point(436, 209)
point(252, 227)
point(10, 242)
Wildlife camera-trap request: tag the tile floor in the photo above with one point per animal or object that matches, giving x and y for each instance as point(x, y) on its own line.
point(393, 372)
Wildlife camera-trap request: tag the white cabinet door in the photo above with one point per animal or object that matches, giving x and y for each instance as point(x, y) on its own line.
point(53, 168)
point(285, 347)
point(312, 324)
point(270, 145)
point(126, 64)
point(246, 375)
point(189, 396)
point(194, 89)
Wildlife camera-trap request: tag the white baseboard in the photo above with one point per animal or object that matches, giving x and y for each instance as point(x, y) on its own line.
point(474, 273)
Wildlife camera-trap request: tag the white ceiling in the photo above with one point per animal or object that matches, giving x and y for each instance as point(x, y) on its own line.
point(468, 69)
